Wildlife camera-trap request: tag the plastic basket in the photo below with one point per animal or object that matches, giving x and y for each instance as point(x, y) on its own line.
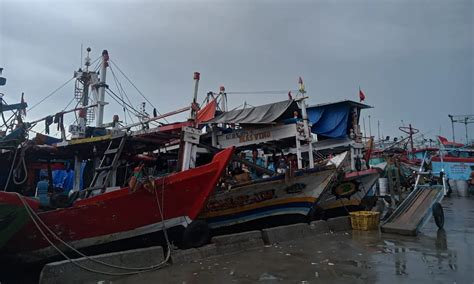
point(365, 220)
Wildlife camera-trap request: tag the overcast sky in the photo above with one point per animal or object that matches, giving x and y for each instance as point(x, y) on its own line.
point(413, 59)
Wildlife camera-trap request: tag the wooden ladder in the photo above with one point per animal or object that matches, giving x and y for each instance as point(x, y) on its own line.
point(108, 164)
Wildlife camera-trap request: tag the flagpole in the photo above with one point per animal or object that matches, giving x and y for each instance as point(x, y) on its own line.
point(363, 122)
point(378, 128)
point(370, 128)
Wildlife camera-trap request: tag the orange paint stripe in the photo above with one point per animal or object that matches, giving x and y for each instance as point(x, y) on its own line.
point(257, 205)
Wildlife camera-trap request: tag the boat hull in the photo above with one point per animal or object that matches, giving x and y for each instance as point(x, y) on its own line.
point(120, 214)
point(271, 197)
point(362, 180)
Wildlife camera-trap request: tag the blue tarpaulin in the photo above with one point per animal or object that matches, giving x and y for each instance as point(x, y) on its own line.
point(65, 178)
point(330, 120)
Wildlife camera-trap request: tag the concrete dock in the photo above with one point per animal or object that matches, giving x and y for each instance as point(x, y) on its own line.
point(324, 252)
point(345, 257)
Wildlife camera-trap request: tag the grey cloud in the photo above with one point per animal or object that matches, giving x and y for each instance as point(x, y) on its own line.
point(413, 59)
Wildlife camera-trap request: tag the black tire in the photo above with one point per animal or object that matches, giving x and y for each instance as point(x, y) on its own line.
point(196, 234)
point(438, 215)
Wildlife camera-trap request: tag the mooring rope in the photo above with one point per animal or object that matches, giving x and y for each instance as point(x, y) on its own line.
point(35, 218)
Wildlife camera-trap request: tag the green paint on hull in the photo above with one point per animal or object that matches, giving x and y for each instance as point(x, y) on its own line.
point(12, 219)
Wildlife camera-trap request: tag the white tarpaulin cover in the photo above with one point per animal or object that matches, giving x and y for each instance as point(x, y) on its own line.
point(264, 114)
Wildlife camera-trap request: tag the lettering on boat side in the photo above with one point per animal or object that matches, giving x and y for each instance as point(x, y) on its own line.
point(241, 200)
point(245, 136)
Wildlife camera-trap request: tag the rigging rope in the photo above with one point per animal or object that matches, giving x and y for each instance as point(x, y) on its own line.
point(11, 169)
point(261, 92)
point(52, 93)
point(32, 214)
point(33, 217)
point(110, 92)
point(22, 163)
point(73, 98)
point(122, 91)
point(143, 96)
point(121, 95)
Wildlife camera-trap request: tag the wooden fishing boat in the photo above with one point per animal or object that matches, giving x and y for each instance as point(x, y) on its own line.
point(277, 197)
point(168, 202)
point(119, 189)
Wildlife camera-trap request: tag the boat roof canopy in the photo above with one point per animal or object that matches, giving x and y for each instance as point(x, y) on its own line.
point(264, 114)
point(346, 102)
point(333, 120)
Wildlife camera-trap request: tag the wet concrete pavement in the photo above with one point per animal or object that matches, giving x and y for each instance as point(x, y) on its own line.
point(435, 256)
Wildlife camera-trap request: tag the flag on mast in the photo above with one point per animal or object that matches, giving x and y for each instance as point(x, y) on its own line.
point(301, 85)
point(361, 95)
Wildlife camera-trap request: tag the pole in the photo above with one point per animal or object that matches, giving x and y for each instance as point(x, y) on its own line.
point(307, 133)
point(411, 137)
point(465, 125)
point(370, 128)
point(81, 55)
point(196, 78)
point(378, 128)
point(77, 173)
point(223, 98)
point(102, 86)
point(452, 126)
point(363, 122)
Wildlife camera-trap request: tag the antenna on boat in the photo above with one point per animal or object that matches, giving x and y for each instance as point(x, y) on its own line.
point(87, 63)
point(82, 50)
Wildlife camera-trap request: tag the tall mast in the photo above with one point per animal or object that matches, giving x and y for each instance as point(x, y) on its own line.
point(102, 86)
point(196, 78)
point(86, 78)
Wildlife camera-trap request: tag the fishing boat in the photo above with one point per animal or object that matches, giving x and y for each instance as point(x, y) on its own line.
point(272, 132)
point(273, 201)
point(457, 161)
point(338, 131)
point(170, 202)
point(127, 196)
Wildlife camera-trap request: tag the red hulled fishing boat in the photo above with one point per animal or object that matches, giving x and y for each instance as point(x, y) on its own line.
point(167, 202)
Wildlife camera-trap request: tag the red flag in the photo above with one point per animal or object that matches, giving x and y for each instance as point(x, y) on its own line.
point(361, 95)
point(446, 142)
point(443, 140)
point(290, 97)
point(208, 112)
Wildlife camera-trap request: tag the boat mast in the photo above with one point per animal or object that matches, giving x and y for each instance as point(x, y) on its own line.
point(223, 96)
point(84, 80)
point(190, 135)
point(85, 90)
point(196, 78)
point(102, 85)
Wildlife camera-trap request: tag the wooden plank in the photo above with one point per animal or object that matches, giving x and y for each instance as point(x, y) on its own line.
point(412, 213)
